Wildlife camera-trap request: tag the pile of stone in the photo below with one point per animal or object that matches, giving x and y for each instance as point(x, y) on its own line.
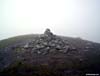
point(48, 43)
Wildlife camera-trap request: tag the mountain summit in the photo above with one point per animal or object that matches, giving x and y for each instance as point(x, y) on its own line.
point(47, 44)
point(48, 55)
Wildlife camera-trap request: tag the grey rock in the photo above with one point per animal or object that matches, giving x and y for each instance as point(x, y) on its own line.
point(66, 47)
point(52, 45)
point(37, 46)
point(48, 32)
point(47, 48)
point(38, 52)
point(58, 47)
point(47, 43)
point(26, 45)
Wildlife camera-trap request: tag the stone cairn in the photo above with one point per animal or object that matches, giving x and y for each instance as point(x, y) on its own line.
point(47, 43)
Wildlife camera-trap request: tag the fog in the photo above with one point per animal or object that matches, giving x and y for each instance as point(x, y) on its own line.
point(74, 18)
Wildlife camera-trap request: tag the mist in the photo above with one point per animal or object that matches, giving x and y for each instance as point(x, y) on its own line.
point(74, 18)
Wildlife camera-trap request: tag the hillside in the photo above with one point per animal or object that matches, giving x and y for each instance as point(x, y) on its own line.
point(48, 55)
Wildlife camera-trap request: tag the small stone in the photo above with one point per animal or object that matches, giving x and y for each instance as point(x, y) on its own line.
point(41, 46)
point(45, 43)
point(87, 47)
point(37, 46)
point(47, 48)
point(51, 50)
point(56, 41)
point(26, 45)
point(40, 39)
point(73, 49)
point(65, 51)
point(58, 47)
point(60, 50)
point(66, 47)
point(45, 52)
point(52, 45)
point(38, 52)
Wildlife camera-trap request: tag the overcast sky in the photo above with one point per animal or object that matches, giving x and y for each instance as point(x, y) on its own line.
point(74, 18)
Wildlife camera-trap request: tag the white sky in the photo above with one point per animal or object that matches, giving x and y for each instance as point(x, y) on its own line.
point(75, 18)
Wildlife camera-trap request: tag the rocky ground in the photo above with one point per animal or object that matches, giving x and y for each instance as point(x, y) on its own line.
point(50, 55)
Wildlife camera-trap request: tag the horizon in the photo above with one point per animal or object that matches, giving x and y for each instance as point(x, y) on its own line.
point(71, 18)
